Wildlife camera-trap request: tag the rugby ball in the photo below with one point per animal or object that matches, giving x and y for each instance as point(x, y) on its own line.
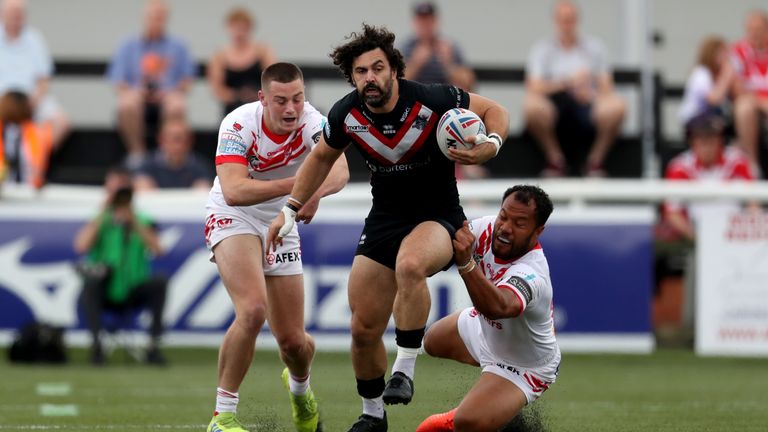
point(455, 126)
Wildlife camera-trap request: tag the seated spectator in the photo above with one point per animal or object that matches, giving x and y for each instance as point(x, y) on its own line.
point(118, 244)
point(173, 164)
point(431, 58)
point(750, 56)
point(569, 81)
point(711, 81)
point(234, 72)
point(26, 67)
point(708, 159)
point(152, 73)
point(25, 145)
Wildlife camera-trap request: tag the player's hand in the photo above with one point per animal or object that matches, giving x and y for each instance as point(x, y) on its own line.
point(280, 227)
point(308, 210)
point(483, 150)
point(462, 244)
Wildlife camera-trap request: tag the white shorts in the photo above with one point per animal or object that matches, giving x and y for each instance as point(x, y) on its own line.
point(532, 381)
point(222, 222)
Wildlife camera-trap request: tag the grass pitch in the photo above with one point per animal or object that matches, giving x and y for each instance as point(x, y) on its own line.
point(666, 391)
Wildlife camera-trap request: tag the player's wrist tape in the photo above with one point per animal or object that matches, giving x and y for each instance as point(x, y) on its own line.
point(296, 201)
point(469, 267)
point(497, 141)
point(292, 207)
point(290, 220)
point(465, 266)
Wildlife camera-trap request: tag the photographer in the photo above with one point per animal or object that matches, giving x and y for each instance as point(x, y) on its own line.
point(119, 243)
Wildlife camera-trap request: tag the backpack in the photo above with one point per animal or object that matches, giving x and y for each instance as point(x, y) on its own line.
point(38, 342)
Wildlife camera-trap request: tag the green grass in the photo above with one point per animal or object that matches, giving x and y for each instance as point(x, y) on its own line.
point(666, 391)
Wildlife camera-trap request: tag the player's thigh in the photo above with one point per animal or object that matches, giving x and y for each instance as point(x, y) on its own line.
point(491, 403)
point(443, 340)
point(371, 293)
point(285, 303)
point(240, 262)
point(427, 247)
point(538, 107)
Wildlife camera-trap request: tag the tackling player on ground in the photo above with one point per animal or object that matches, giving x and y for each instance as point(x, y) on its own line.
point(509, 332)
point(261, 145)
point(407, 234)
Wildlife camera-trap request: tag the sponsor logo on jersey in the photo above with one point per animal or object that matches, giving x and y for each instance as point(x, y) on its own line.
point(405, 114)
point(493, 323)
point(273, 258)
point(230, 143)
point(386, 169)
point(357, 128)
point(388, 129)
point(238, 127)
point(420, 122)
point(522, 286)
point(508, 367)
point(316, 137)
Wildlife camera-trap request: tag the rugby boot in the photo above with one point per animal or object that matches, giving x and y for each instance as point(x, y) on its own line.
point(304, 411)
point(367, 423)
point(226, 422)
point(399, 389)
point(442, 422)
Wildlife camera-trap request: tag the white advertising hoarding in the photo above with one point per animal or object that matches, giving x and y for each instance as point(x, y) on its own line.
point(732, 283)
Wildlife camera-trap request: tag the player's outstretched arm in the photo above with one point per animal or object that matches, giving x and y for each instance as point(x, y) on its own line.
point(336, 180)
point(489, 300)
point(240, 189)
point(496, 119)
point(310, 176)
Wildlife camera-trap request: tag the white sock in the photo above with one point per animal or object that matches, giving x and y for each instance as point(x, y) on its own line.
point(405, 361)
point(374, 407)
point(298, 387)
point(226, 401)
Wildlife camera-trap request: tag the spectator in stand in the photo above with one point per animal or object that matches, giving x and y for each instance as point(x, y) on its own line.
point(711, 82)
point(429, 57)
point(118, 244)
point(173, 164)
point(25, 146)
point(569, 81)
point(26, 67)
point(433, 59)
point(152, 73)
point(708, 159)
point(234, 72)
point(750, 56)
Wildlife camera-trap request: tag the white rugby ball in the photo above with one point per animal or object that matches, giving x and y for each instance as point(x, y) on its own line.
point(455, 126)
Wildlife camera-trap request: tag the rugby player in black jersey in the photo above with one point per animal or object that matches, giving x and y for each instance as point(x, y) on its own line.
point(408, 232)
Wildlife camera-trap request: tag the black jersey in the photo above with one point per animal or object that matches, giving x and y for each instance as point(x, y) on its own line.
point(409, 173)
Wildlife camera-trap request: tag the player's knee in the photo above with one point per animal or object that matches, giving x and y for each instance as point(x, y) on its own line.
point(364, 334)
point(430, 346)
point(252, 317)
point(292, 344)
point(409, 268)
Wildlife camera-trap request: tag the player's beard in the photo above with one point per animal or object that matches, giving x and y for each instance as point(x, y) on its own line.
point(513, 250)
point(379, 101)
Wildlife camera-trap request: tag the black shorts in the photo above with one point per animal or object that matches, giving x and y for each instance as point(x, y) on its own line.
point(382, 234)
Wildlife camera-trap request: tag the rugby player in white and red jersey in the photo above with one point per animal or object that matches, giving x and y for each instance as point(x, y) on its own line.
point(509, 333)
point(261, 146)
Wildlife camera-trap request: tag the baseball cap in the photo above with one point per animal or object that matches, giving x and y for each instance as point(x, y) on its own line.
point(705, 124)
point(424, 9)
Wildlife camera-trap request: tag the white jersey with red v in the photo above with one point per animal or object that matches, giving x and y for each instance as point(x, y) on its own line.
point(529, 338)
point(245, 139)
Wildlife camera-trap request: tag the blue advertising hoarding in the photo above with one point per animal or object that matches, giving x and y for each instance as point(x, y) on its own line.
point(601, 272)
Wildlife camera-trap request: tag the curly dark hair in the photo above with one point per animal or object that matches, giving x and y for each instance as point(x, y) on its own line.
point(525, 193)
point(369, 39)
